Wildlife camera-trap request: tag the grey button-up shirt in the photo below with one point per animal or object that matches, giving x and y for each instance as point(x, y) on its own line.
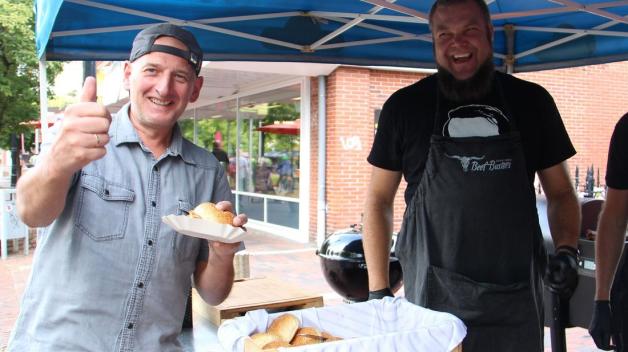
point(108, 275)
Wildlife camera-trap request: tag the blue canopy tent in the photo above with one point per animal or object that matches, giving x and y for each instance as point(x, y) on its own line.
point(530, 34)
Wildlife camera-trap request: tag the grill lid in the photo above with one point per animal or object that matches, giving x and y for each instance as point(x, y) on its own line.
point(346, 245)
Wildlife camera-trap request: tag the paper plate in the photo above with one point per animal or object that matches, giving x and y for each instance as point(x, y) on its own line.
point(204, 229)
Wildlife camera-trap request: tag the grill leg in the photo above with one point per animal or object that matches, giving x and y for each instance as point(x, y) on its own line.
point(559, 322)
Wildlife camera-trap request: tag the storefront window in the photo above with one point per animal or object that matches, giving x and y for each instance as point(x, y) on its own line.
point(270, 132)
point(260, 134)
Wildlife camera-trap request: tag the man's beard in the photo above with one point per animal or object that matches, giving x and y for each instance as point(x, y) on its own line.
point(476, 87)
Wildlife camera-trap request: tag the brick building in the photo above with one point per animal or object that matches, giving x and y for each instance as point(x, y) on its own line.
point(590, 99)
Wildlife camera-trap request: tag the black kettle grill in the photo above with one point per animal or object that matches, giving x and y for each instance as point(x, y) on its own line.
point(579, 309)
point(344, 266)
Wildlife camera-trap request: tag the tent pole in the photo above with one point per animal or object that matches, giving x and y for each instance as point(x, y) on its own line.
point(322, 162)
point(43, 100)
point(89, 69)
point(238, 155)
point(509, 61)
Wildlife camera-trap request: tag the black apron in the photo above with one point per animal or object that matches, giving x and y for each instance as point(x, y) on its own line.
point(470, 242)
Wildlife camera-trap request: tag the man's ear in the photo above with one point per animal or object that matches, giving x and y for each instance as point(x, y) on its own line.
point(127, 75)
point(198, 84)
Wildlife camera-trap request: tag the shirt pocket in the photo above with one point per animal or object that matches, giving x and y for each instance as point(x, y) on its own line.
point(184, 207)
point(185, 248)
point(103, 208)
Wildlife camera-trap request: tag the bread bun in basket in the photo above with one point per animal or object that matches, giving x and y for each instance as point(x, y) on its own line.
point(307, 336)
point(264, 338)
point(285, 325)
point(284, 332)
point(208, 211)
point(272, 346)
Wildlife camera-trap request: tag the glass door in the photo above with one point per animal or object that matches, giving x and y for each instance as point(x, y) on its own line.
point(261, 137)
point(270, 145)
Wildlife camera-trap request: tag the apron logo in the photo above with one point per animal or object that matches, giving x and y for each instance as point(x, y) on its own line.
point(471, 163)
point(465, 160)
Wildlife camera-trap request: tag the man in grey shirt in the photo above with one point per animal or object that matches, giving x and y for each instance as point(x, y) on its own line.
point(108, 275)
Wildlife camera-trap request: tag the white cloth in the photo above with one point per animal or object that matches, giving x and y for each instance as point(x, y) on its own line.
point(390, 324)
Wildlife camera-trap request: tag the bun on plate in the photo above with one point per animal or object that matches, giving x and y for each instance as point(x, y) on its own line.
point(208, 211)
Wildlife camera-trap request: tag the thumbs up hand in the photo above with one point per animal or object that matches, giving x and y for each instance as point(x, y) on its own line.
point(88, 94)
point(83, 135)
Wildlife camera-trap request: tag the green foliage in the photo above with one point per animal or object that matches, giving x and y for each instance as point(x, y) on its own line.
point(19, 70)
point(206, 129)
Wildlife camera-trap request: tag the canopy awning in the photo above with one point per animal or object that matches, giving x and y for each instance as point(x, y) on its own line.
point(531, 34)
point(36, 123)
point(285, 127)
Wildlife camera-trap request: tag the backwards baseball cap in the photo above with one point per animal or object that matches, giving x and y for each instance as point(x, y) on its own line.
point(144, 43)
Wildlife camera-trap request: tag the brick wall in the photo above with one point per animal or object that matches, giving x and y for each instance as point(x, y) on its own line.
point(15, 246)
point(353, 95)
point(591, 99)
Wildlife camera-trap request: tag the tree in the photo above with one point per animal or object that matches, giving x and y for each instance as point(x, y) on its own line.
point(19, 70)
point(207, 128)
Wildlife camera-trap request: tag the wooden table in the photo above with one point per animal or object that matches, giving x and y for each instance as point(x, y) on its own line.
point(256, 293)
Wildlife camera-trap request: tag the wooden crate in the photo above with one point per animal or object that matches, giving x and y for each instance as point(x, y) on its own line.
point(256, 293)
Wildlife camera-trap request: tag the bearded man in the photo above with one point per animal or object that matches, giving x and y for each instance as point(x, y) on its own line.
point(469, 141)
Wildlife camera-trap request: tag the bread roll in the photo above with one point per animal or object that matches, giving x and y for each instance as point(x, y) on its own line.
point(307, 336)
point(333, 338)
point(272, 346)
point(285, 326)
point(261, 339)
point(250, 346)
point(329, 337)
point(208, 211)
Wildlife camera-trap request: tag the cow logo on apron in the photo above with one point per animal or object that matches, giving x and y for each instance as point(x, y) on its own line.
point(465, 161)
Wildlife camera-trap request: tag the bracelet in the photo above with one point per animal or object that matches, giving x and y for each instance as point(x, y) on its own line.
point(573, 251)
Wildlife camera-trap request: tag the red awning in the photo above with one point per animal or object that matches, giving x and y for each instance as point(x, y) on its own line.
point(285, 127)
point(36, 123)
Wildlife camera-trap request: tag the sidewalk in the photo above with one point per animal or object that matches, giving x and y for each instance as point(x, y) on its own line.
point(269, 256)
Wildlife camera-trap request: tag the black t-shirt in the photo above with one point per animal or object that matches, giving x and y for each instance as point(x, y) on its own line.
point(617, 178)
point(221, 155)
point(406, 124)
point(617, 166)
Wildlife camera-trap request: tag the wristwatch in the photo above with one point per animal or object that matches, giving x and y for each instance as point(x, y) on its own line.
point(575, 252)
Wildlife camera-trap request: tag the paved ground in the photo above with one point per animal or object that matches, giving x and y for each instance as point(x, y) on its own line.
point(269, 256)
